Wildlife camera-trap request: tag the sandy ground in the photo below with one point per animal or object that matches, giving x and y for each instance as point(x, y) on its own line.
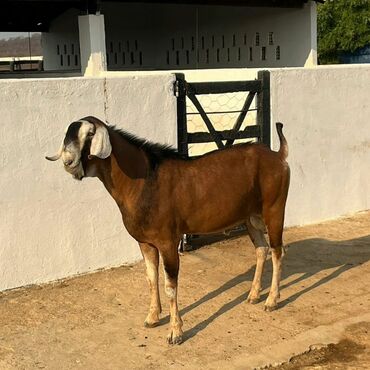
point(96, 321)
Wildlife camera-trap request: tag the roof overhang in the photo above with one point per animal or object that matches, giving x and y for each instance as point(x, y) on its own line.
point(28, 15)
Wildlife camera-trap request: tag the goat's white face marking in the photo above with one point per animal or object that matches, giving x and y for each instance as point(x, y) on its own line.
point(85, 129)
point(74, 142)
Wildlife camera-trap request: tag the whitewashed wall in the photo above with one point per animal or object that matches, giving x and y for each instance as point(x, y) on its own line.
point(52, 226)
point(326, 114)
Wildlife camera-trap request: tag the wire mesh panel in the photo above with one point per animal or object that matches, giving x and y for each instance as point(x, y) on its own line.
point(223, 110)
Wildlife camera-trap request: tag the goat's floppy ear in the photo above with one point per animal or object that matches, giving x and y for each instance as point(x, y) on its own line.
point(100, 143)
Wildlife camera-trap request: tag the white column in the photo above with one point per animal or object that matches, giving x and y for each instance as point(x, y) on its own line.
point(312, 57)
point(92, 44)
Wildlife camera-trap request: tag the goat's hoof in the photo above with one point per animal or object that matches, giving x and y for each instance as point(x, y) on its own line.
point(174, 339)
point(253, 300)
point(149, 324)
point(269, 308)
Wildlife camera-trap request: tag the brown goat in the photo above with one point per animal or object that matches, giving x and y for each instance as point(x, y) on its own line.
point(162, 196)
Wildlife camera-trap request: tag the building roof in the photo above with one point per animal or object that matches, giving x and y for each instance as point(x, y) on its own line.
point(28, 15)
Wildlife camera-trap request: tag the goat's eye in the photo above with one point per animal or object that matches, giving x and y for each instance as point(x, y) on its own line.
point(90, 134)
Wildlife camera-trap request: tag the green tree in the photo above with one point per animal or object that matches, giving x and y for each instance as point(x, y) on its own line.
point(343, 26)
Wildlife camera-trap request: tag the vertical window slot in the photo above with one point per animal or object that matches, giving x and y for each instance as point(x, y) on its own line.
point(263, 53)
point(257, 39)
point(271, 38)
point(277, 52)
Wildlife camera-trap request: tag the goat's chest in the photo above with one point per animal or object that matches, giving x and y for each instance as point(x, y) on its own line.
point(145, 221)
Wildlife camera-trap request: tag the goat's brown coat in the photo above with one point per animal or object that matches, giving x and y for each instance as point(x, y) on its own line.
point(247, 183)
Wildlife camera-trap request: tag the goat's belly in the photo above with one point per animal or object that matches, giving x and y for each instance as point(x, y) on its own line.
point(209, 219)
point(211, 229)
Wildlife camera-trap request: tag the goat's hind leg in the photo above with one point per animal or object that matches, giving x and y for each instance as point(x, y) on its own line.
point(151, 257)
point(275, 223)
point(256, 227)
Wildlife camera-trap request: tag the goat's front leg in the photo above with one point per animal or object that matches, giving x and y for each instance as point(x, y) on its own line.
point(171, 263)
point(151, 257)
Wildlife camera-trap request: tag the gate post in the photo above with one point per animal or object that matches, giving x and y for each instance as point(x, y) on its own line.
point(182, 130)
point(263, 106)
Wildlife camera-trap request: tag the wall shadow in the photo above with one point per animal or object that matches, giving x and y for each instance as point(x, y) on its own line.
point(305, 258)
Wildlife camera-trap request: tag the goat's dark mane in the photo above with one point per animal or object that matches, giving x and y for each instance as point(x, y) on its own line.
point(157, 153)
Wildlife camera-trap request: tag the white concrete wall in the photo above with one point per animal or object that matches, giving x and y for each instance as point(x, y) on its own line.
point(52, 226)
point(326, 116)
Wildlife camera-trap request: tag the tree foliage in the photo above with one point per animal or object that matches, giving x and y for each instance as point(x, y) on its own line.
point(343, 26)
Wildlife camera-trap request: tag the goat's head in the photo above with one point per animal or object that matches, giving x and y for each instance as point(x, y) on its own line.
point(84, 139)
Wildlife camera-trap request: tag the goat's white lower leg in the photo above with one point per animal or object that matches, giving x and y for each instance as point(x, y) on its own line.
point(151, 258)
point(175, 335)
point(155, 308)
point(254, 294)
point(274, 295)
point(256, 233)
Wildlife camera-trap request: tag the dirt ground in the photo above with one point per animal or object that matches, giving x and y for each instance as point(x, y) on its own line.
point(96, 321)
point(351, 352)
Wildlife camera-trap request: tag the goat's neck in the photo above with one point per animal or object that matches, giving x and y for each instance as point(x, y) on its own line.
point(124, 172)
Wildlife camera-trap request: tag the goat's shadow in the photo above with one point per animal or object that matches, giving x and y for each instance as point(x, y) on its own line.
point(305, 258)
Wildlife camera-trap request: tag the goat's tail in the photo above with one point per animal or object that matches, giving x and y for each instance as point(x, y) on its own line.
point(283, 151)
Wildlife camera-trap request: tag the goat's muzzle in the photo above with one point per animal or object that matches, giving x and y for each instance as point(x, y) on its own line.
point(75, 169)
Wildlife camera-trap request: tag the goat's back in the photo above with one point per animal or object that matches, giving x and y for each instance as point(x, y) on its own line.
point(221, 188)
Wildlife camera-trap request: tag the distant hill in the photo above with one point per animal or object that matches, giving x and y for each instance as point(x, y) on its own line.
point(19, 46)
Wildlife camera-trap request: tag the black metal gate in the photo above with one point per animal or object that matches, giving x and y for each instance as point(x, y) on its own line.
point(257, 90)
